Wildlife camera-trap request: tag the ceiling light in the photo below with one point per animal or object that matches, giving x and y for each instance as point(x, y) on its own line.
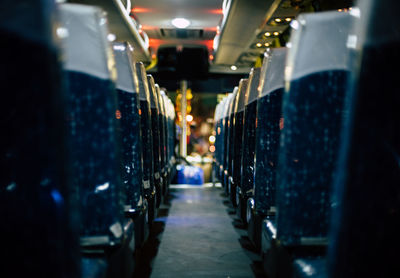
point(288, 19)
point(266, 44)
point(278, 19)
point(233, 67)
point(267, 34)
point(180, 22)
point(259, 44)
point(276, 33)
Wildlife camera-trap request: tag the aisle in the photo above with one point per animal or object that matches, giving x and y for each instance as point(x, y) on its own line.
point(200, 240)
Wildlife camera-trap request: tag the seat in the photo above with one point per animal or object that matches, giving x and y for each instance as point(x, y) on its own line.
point(36, 201)
point(163, 147)
point(316, 75)
point(365, 231)
point(227, 138)
point(155, 127)
point(93, 142)
point(130, 135)
point(238, 114)
point(248, 143)
point(147, 141)
point(269, 124)
point(167, 150)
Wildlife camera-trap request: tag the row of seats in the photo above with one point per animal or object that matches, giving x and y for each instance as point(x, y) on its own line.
point(87, 145)
point(307, 147)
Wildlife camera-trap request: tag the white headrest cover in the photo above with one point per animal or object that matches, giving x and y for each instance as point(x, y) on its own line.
point(252, 88)
point(126, 79)
point(272, 76)
point(153, 92)
point(318, 43)
point(240, 98)
point(86, 45)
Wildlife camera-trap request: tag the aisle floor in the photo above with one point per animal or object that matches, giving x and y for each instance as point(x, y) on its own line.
point(197, 236)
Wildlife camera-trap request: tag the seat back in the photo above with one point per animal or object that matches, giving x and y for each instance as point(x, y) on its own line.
point(249, 133)
point(316, 75)
point(37, 204)
point(129, 126)
point(365, 231)
point(155, 127)
point(146, 128)
point(269, 125)
point(238, 130)
point(93, 140)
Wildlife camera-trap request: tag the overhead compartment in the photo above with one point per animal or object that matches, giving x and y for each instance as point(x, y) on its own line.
point(243, 20)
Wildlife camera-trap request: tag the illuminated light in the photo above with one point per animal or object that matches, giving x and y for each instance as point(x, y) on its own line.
point(138, 10)
point(288, 19)
point(101, 187)
point(278, 20)
point(211, 138)
point(153, 56)
point(119, 47)
point(355, 12)
point(189, 118)
point(276, 33)
point(212, 148)
point(215, 11)
point(211, 57)
point(140, 112)
point(340, 10)
point(233, 67)
point(267, 34)
point(259, 44)
point(180, 22)
point(62, 33)
point(294, 24)
point(281, 123)
point(266, 44)
point(118, 114)
point(111, 37)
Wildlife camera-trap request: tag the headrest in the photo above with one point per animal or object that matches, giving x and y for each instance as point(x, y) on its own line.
point(153, 92)
point(273, 71)
point(144, 93)
point(376, 23)
point(233, 101)
point(252, 88)
point(160, 100)
point(225, 111)
point(126, 79)
point(318, 43)
point(240, 98)
point(32, 20)
point(86, 45)
point(218, 109)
